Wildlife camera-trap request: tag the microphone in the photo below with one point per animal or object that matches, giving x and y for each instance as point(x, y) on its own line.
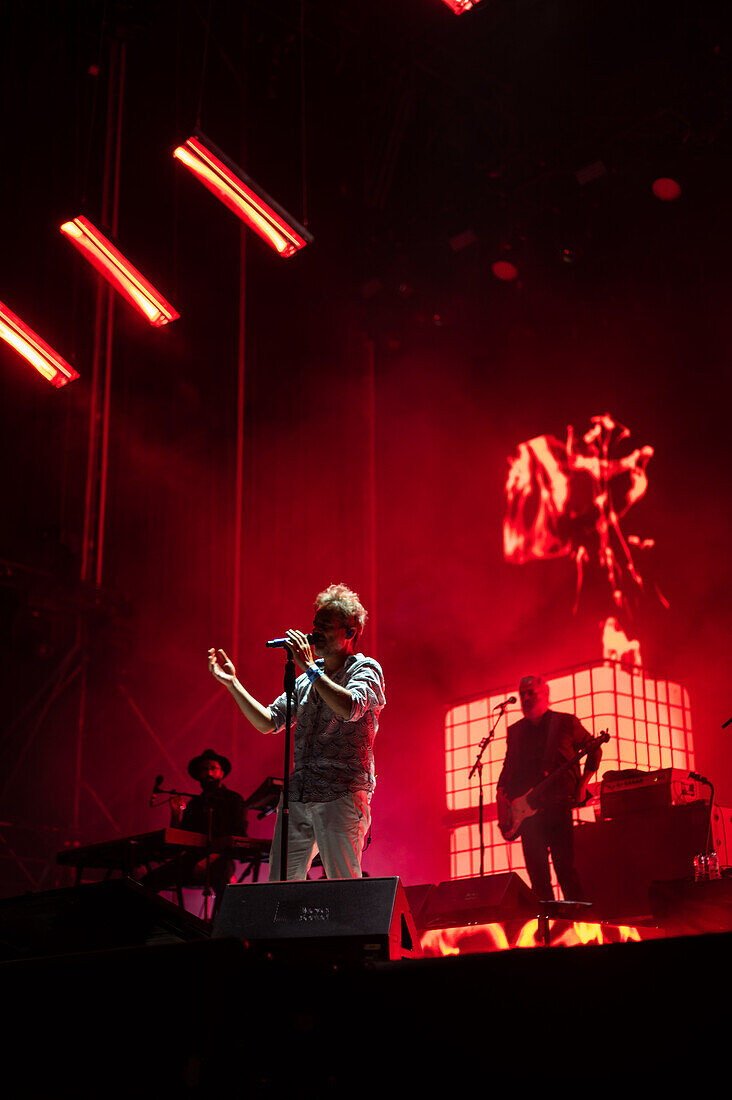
point(156, 788)
point(506, 702)
point(280, 643)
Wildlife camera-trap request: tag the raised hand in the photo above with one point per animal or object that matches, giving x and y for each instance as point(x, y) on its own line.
point(220, 666)
point(301, 651)
point(177, 806)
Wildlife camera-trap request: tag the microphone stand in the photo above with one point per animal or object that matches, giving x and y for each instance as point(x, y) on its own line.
point(209, 845)
point(478, 767)
point(157, 789)
point(289, 684)
point(172, 790)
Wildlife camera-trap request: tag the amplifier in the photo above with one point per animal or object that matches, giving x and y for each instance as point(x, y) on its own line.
point(721, 826)
point(623, 793)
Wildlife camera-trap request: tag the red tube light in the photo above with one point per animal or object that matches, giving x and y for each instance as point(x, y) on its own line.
point(119, 272)
point(242, 195)
point(34, 349)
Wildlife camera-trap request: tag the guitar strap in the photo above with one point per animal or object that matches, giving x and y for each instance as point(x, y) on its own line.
point(552, 742)
point(552, 759)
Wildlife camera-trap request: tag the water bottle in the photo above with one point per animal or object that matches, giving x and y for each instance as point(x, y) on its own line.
point(700, 867)
point(713, 866)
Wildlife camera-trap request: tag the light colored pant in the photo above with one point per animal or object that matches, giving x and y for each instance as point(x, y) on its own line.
point(337, 830)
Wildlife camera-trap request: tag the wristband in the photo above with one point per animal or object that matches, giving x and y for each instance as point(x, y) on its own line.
point(314, 673)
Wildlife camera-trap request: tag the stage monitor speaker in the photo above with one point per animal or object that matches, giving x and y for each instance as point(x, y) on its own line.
point(480, 900)
point(92, 917)
point(355, 920)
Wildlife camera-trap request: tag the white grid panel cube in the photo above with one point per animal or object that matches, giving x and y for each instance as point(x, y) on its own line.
point(648, 719)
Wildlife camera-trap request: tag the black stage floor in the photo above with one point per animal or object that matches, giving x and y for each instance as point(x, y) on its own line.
point(202, 1016)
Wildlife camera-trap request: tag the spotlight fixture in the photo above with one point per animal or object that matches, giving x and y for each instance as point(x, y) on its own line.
point(242, 195)
point(590, 172)
point(35, 350)
point(118, 271)
point(462, 240)
point(666, 189)
point(504, 270)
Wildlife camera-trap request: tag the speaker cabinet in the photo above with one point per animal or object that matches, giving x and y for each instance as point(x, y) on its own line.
point(357, 920)
point(92, 917)
point(618, 860)
point(479, 900)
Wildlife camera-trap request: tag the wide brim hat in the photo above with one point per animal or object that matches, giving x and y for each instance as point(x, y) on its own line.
point(194, 767)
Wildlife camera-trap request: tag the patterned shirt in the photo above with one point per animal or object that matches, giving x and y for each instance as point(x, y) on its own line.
point(334, 755)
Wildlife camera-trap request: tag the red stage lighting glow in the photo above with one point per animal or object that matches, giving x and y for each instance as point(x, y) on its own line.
point(242, 195)
point(460, 6)
point(118, 271)
point(33, 349)
point(504, 270)
point(666, 189)
point(478, 939)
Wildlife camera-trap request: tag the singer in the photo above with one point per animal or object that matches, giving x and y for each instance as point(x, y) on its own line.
point(537, 746)
point(336, 707)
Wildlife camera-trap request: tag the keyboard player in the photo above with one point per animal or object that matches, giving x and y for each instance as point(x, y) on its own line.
point(216, 812)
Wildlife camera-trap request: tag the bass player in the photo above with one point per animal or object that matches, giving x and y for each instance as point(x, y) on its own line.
point(538, 745)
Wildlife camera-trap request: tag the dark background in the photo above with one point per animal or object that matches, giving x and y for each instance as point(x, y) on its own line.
point(388, 375)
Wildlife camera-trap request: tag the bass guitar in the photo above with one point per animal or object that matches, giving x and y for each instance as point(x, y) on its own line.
point(512, 813)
